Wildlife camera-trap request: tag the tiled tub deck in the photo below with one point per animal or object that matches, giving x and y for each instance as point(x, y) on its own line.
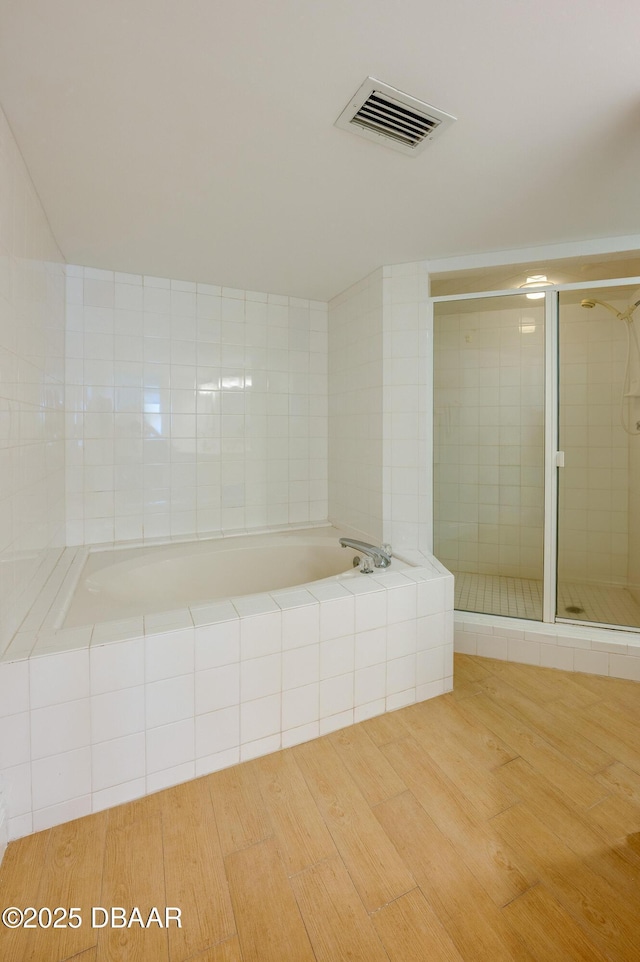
point(94, 716)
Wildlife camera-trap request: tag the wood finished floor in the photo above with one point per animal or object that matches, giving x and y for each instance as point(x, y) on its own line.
point(499, 822)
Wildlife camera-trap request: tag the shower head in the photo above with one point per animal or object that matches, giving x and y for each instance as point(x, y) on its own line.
point(626, 315)
point(592, 301)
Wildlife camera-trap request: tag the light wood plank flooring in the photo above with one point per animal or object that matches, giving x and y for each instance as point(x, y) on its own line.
point(499, 822)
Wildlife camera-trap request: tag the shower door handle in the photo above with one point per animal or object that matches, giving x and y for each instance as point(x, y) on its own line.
point(559, 459)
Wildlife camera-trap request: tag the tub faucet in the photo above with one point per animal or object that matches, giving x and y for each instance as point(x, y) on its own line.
point(381, 556)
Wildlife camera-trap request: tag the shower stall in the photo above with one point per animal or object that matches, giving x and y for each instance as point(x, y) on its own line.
point(537, 452)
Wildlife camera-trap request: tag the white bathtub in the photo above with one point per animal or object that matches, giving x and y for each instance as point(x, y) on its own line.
point(119, 584)
point(163, 680)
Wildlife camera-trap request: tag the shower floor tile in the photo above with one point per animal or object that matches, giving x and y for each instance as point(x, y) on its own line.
point(498, 595)
point(607, 605)
point(522, 598)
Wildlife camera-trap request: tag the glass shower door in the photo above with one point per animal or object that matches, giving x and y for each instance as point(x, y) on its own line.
point(599, 432)
point(489, 451)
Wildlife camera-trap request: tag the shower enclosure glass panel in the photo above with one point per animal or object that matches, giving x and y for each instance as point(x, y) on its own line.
point(489, 451)
point(599, 432)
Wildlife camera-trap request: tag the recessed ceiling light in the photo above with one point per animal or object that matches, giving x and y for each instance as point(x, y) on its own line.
point(536, 280)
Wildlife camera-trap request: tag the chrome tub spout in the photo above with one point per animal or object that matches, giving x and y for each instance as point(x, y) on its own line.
point(381, 556)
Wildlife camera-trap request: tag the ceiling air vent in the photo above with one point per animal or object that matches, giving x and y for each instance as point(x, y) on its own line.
point(389, 116)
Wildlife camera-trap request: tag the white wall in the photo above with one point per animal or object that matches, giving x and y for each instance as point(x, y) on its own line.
point(31, 390)
point(191, 408)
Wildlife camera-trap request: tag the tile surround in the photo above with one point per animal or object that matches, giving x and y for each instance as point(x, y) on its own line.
point(31, 391)
point(115, 719)
point(379, 435)
point(407, 429)
point(488, 492)
point(356, 405)
point(594, 503)
point(488, 488)
point(191, 408)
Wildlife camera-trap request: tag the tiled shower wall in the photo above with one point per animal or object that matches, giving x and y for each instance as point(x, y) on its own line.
point(489, 435)
point(489, 444)
point(31, 390)
point(191, 408)
point(634, 518)
point(593, 516)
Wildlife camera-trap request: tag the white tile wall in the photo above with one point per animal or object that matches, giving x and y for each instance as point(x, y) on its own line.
point(407, 425)
point(191, 408)
point(355, 407)
point(594, 502)
point(488, 492)
point(489, 432)
point(379, 431)
point(597, 651)
point(633, 569)
point(31, 391)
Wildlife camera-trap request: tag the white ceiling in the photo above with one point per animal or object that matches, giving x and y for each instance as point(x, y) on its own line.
point(195, 139)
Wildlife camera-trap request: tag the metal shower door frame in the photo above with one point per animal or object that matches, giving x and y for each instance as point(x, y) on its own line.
point(553, 458)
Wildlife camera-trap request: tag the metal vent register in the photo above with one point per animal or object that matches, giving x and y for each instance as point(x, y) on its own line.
point(389, 116)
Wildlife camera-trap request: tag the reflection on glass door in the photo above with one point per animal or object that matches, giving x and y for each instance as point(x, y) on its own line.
point(489, 451)
point(599, 431)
